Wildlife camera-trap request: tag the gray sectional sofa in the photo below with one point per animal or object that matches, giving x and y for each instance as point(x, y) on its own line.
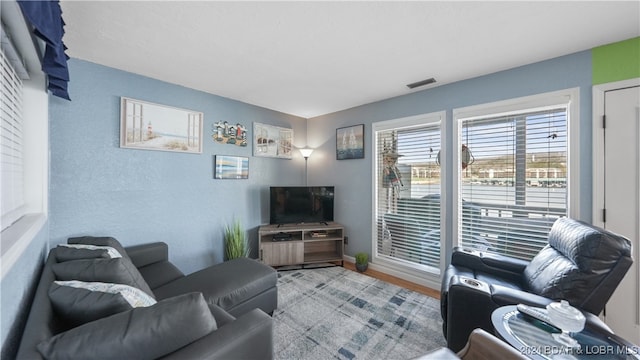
point(138, 305)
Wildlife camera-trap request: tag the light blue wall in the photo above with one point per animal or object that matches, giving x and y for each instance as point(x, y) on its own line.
point(16, 291)
point(139, 196)
point(352, 178)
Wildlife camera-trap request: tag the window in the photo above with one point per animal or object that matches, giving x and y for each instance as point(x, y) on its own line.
point(24, 173)
point(513, 179)
point(407, 191)
point(11, 144)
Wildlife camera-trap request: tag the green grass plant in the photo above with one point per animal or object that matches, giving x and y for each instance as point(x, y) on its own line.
point(235, 242)
point(362, 258)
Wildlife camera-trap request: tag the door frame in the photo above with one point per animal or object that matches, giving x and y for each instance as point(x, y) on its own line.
point(598, 94)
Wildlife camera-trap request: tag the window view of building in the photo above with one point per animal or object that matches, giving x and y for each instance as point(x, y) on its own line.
point(512, 183)
point(514, 180)
point(408, 194)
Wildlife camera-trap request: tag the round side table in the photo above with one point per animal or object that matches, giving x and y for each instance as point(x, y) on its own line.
point(534, 339)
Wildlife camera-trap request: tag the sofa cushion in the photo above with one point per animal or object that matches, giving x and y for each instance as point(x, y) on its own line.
point(118, 271)
point(99, 241)
point(140, 333)
point(66, 252)
point(79, 302)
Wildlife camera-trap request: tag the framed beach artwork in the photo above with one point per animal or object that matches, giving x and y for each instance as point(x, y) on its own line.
point(230, 167)
point(149, 126)
point(350, 142)
point(272, 141)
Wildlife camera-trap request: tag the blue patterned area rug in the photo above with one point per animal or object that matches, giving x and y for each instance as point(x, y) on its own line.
point(334, 313)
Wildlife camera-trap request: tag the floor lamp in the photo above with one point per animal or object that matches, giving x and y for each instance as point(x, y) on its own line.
point(306, 152)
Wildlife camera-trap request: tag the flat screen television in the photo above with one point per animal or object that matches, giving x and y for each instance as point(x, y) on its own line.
point(301, 204)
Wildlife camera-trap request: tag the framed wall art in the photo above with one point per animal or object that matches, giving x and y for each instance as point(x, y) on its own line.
point(230, 167)
point(149, 126)
point(272, 141)
point(227, 133)
point(350, 142)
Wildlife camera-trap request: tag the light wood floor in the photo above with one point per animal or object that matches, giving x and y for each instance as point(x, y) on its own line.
point(396, 281)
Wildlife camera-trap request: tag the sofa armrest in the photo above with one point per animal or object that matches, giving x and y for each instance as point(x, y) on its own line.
point(248, 337)
point(222, 317)
point(489, 263)
point(483, 345)
point(41, 321)
point(160, 273)
point(145, 254)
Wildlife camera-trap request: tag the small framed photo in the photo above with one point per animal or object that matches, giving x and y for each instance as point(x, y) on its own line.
point(230, 167)
point(350, 142)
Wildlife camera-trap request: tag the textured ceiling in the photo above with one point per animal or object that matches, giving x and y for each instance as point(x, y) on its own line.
point(313, 58)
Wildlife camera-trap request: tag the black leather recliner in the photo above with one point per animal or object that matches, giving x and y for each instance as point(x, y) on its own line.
point(581, 263)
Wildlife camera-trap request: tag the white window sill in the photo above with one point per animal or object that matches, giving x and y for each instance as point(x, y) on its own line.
point(15, 239)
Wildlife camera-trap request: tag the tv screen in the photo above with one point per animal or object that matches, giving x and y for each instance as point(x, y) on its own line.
point(301, 204)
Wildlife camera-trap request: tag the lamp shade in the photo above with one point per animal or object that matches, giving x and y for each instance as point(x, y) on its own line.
point(306, 152)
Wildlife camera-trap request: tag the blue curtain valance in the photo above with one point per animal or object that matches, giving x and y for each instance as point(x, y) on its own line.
point(46, 19)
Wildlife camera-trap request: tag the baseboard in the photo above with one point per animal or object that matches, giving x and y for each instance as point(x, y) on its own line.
point(420, 278)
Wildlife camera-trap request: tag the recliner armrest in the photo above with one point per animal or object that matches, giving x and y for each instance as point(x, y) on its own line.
point(495, 264)
point(250, 336)
point(145, 254)
point(502, 295)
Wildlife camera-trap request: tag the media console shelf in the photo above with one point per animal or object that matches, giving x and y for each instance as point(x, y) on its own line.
point(302, 244)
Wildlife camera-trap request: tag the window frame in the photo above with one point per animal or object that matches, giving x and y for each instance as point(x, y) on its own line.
point(17, 237)
point(11, 161)
point(420, 274)
point(567, 97)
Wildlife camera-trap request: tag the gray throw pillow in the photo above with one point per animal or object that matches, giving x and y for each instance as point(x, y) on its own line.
point(78, 302)
point(118, 271)
point(99, 241)
point(140, 333)
point(66, 252)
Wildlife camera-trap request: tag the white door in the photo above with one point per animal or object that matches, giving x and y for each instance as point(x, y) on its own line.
point(616, 189)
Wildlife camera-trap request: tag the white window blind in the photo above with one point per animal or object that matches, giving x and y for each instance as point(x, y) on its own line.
point(11, 143)
point(516, 183)
point(408, 194)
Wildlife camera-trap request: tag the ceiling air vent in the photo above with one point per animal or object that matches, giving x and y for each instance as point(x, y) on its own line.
point(421, 83)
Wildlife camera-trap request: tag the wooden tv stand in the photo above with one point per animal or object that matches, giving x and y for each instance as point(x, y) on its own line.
point(301, 244)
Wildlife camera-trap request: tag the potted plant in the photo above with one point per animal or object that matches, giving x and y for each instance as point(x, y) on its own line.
point(235, 242)
point(362, 261)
